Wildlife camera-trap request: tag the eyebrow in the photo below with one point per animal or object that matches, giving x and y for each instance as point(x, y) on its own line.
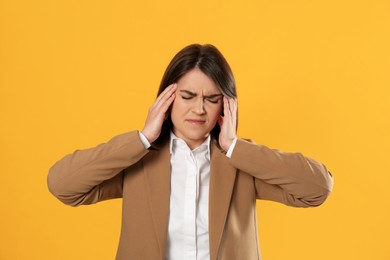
point(194, 94)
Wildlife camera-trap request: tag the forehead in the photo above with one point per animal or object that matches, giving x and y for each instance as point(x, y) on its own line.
point(197, 82)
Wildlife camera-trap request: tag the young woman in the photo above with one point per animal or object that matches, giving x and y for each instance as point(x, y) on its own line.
point(189, 185)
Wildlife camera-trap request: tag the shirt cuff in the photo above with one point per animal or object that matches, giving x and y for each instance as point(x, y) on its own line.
point(231, 148)
point(144, 140)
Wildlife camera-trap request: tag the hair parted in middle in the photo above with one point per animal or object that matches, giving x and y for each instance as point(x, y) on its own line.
point(211, 62)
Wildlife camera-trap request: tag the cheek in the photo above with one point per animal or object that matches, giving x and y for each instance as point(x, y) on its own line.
point(215, 112)
point(173, 110)
point(176, 109)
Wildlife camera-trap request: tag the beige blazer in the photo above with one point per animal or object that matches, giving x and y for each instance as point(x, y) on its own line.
point(123, 168)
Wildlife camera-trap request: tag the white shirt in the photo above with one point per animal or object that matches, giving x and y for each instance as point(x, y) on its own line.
point(188, 232)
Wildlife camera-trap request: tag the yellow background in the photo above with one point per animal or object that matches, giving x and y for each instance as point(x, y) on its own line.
point(312, 76)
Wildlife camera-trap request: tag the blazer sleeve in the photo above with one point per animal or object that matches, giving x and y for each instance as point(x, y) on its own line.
point(95, 174)
point(289, 178)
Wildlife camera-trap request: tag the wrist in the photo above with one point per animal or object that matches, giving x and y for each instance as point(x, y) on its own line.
point(144, 140)
point(231, 148)
point(148, 136)
point(227, 143)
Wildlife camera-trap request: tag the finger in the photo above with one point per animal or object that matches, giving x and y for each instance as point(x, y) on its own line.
point(234, 111)
point(227, 112)
point(232, 102)
point(233, 107)
point(166, 93)
point(226, 108)
point(160, 110)
point(160, 107)
point(167, 103)
point(229, 107)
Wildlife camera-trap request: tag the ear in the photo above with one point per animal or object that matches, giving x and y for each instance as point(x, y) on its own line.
point(220, 121)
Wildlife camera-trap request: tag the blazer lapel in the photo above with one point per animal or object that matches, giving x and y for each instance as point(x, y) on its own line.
point(158, 182)
point(222, 178)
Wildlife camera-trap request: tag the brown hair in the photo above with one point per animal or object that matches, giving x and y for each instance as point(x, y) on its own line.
point(211, 62)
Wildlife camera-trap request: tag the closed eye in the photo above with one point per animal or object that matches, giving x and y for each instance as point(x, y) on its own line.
point(214, 101)
point(186, 98)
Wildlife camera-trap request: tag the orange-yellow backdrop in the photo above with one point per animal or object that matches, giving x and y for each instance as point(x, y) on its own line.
point(312, 76)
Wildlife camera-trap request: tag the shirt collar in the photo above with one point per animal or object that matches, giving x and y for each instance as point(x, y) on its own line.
point(174, 141)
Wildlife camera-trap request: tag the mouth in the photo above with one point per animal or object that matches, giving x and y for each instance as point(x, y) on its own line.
point(196, 121)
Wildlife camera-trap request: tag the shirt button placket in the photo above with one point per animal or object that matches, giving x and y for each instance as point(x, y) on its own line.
point(190, 208)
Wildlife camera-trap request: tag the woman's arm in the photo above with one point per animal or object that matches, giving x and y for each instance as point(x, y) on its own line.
point(95, 174)
point(289, 178)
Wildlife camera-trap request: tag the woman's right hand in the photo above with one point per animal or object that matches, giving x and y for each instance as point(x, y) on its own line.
point(158, 113)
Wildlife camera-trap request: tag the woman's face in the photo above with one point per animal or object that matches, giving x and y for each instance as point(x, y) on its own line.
point(196, 108)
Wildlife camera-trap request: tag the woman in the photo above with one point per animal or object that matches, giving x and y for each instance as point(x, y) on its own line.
point(189, 185)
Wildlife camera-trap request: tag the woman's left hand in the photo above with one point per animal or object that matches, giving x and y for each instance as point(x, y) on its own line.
point(228, 123)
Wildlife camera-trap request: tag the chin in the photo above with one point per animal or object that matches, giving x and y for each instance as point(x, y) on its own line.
point(198, 136)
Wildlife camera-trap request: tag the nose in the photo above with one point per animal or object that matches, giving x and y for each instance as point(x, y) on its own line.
point(199, 107)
